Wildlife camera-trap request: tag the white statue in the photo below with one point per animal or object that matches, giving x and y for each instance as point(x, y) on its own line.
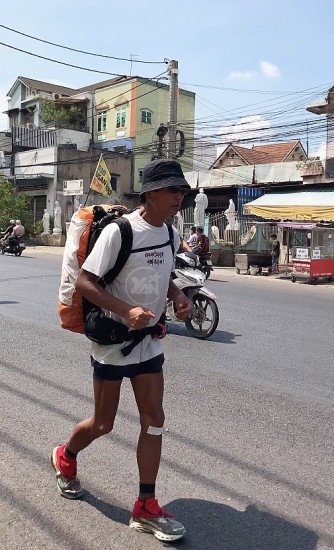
point(46, 222)
point(201, 201)
point(76, 203)
point(231, 216)
point(179, 223)
point(215, 232)
point(57, 219)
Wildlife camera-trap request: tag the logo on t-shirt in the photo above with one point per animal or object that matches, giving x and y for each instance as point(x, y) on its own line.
point(143, 285)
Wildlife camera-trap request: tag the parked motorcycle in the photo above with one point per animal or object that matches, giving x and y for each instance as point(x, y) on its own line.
point(12, 245)
point(204, 318)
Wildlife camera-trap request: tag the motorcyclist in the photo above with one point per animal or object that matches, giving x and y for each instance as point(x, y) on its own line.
point(18, 232)
point(8, 230)
point(202, 245)
point(201, 248)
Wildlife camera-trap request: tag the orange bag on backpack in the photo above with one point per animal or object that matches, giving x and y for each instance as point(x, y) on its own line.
point(70, 305)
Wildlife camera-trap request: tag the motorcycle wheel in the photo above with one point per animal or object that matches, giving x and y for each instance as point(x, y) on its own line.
point(207, 272)
point(204, 319)
point(18, 253)
point(2, 250)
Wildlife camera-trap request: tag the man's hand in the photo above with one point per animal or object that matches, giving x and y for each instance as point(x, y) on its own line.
point(139, 317)
point(183, 306)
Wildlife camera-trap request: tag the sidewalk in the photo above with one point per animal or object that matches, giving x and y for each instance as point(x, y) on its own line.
point(54, 250)
point(223, 273)
point(219, 273)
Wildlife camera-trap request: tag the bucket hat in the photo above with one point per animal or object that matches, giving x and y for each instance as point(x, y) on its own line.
point(163, 173)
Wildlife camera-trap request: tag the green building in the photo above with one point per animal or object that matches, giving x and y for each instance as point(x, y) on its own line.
point(129, 113)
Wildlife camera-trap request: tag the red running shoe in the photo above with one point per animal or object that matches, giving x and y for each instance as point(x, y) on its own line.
point(66, 471)
point(148, 517)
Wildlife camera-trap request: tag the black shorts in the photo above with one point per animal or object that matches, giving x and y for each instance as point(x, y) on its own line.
point(117, 372)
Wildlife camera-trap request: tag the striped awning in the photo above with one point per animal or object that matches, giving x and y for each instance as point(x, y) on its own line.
point(298, 205)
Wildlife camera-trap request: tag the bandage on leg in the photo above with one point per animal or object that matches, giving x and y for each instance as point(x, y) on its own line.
point(153, 430)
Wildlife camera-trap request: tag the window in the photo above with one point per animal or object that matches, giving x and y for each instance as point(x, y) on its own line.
point(146, 116)
point(119, 148)
point(113, 183)
point(121, 116)
point(140, 174)
point(102, 121)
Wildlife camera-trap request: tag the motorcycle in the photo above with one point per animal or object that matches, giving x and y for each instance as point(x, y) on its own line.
point(12, 245)
point(204, 318)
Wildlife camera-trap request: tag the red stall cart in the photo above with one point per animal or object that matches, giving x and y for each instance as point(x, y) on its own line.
point(315, 260)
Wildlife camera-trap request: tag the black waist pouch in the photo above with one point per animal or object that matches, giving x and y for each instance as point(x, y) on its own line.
point(103, 330)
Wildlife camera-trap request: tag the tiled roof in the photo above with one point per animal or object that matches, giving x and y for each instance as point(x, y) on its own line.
point(41, 86)
point(266, 154)
point(103, 84)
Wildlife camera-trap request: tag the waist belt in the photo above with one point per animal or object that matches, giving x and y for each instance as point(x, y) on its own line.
point(137, 336)
point(105, 331)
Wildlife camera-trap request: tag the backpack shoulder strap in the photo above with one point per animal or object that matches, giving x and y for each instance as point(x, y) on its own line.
point(125, 250)
point(171, 238)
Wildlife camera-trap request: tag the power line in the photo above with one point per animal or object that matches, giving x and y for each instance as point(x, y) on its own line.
point(82, 51)
point(59, 62)
point(225, 89)
point(150, 147)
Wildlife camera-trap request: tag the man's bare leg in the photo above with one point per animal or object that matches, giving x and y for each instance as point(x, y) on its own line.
point(148, 390)
point(106, 397)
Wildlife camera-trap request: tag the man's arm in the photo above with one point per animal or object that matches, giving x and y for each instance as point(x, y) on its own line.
point(87, 285)
point(184, 246)
point(183, 305)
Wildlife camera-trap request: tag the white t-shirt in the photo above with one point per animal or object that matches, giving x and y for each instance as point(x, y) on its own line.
point(143, 281)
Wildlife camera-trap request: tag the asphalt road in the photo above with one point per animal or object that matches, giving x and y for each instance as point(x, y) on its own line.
point(248, 459)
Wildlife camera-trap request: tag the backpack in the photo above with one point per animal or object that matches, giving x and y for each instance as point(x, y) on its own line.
point(85, 228)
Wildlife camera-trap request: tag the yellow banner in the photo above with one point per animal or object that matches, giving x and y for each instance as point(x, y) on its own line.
point(101, 179)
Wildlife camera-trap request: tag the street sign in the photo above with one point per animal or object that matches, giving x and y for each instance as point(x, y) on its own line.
point(73, 187)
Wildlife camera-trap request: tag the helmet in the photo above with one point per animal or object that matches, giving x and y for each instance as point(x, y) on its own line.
point(18, 222)
point(11, 221)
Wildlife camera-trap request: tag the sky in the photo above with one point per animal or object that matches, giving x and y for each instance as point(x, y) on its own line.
point(253, 64)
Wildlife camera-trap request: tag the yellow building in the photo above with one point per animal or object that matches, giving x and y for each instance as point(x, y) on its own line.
point(128, 114)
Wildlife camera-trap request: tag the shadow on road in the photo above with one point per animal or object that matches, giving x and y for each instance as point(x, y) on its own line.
point(213, 526)
point(115, 513)
point(6, 302)
point(221, 336)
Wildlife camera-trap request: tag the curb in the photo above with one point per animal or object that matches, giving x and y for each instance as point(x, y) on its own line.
point(220, 272)
point(53, 250)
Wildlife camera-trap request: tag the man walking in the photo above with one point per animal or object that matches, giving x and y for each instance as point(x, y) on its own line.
point(136, 297)
point(275, 252)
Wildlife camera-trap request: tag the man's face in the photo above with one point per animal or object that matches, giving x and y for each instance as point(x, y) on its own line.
point(167, 200)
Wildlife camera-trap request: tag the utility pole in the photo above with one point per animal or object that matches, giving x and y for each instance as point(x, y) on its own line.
point(173, 72)
point(12, 170)
point(306, 139)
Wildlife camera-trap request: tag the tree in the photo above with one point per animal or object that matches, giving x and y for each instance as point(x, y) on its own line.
point(57, 114)
point(14, 205)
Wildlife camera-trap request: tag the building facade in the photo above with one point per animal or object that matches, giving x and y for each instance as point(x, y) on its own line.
point(128, 116)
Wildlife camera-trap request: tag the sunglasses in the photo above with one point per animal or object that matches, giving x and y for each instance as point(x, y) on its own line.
point(173, 189)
